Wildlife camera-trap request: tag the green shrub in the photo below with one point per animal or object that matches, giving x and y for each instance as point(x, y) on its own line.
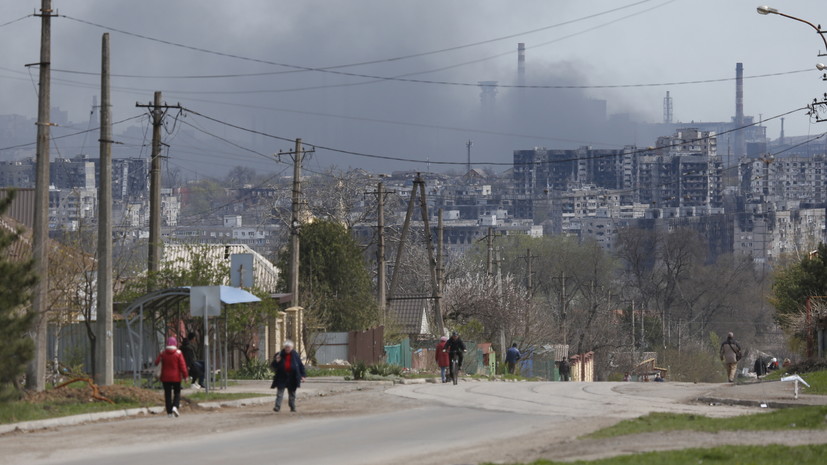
point(359, 370)
point(254, 369)
point(385, 369)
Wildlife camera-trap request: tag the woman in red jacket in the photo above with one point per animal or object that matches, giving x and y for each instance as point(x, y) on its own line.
point(173, 370)
point(442, 358)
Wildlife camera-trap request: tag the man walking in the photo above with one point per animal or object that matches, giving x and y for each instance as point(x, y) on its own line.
point(511, 357)
point(730, 354)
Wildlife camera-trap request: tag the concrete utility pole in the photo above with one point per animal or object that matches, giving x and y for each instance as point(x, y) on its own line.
point(155, 241)
point(295, 222)
point(489, 264)
point(36, 372)
point(530, 278)
point(104, 373)
point(440, 266)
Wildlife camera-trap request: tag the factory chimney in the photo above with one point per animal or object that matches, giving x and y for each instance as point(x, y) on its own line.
point(781, 138)
point(740, 140)
point(521, 64)
point(667, 109)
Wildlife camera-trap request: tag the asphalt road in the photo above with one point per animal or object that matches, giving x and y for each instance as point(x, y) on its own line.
point(472, 422)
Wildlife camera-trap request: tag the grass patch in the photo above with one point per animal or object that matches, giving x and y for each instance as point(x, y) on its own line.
point(816, 379)
point(14, 412)
point(313, 372)
point(753, 455)
point(784, 419)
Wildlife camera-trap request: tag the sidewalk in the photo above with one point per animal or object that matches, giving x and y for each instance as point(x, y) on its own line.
point(769, 394)
point(310, 388)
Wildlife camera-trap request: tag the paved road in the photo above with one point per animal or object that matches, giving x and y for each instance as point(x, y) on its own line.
point(455, 424)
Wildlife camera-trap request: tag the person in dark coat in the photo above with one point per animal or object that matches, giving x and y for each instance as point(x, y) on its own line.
point(565, 369)
point(512, 355)
point(730, 355)
point(289, 375)
point(195, 367)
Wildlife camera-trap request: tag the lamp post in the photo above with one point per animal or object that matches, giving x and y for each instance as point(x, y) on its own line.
point(765, 10)
point(816, 107)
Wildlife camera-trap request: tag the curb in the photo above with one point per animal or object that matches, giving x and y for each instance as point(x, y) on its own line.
point(751, 403)
point(77, 419)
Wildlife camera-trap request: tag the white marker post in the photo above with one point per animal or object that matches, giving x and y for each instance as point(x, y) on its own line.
point(795, 379)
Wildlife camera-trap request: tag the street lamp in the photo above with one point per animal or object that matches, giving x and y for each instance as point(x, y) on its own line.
point(765, 10)
point(817, 106)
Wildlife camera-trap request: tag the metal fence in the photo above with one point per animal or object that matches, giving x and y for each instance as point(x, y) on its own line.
point(70, 346)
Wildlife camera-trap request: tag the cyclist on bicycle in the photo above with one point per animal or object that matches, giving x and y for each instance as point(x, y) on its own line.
point(455, 347)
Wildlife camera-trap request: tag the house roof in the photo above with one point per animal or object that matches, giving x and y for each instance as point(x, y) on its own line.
point(411, 314)
point(265, 274)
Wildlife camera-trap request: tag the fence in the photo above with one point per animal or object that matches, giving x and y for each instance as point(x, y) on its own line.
point(364, 346)
point(70, 345)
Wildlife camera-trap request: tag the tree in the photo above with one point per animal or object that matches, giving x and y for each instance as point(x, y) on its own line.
point(797, 283)
point(333, 278)
point(16, 349)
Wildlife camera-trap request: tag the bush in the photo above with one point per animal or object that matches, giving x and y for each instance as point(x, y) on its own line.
point(807, 366)
point(359, 370)
point(385, 369)
point(254, 369)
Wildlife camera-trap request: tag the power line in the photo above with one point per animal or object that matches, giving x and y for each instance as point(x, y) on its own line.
point(451, 163)
point(72, 134)
point(16, 20)
point(298, 68)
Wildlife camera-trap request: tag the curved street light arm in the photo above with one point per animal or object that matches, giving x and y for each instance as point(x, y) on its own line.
point(768, 10)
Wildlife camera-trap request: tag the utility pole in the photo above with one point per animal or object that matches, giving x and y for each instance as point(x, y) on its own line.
point(401, 248)
point(380, 252)
point(381, 268)
point(36, 372)
point(423, 207)
point(563, 303)
point(155, 241)
point(104, 373)
point(489, 265)
point(529, 259)
point(295, 223)
point(440, 267)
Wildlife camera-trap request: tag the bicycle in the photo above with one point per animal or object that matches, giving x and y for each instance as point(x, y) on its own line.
point(454, 367)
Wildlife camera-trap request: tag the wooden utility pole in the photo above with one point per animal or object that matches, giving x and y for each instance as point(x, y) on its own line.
point(295, 223)
point(104, 373)
point(423, 207)
point(36, 372)
point(529, 265)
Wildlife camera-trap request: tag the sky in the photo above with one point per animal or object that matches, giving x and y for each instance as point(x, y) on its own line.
point(391, 85)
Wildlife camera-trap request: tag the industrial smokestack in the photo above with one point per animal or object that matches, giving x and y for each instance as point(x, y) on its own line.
point(521, 63)
point(781, 139)
point(740, 140)
point(667, 109)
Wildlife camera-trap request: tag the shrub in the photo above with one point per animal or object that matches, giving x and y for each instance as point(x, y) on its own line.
point(254, 369)
point(359, 370)
point(385, 369)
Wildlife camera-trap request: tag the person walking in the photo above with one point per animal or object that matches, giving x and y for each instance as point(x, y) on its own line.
point(565, 369)
point(173, 371)
point(442, 359)
point(511, 357)
point(730, 354)
point(289, 375)
point(195, 367)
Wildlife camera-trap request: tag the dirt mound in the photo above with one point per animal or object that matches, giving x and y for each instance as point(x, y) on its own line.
point(80, 392)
